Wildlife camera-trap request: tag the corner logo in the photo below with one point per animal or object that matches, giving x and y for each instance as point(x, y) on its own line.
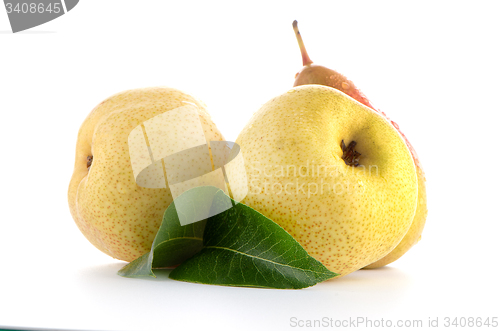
point(170, 151)
point(24, 15)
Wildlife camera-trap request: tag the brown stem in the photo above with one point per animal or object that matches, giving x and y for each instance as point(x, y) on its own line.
point(305, 58)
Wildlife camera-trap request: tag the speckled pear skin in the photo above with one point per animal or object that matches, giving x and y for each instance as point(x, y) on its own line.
point(317, 74)
point(356, 215)
point(414, 234)
point(115, 214)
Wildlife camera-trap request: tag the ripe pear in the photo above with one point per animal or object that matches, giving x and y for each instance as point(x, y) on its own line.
point(316, 74)
point(115, 214)
point(333, 173)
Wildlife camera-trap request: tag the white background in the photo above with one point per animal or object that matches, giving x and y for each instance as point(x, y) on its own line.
point(432, 66)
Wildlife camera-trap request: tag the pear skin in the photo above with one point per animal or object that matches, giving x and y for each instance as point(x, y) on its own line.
point(333, 173)
point(414, 234)
point(115, 214)
point(316, 74)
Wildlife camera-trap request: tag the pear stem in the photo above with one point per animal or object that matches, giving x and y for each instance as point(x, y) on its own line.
point(305, 57)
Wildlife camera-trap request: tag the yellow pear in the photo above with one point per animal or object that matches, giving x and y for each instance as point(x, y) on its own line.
point(333, 173)
point(115, 214)
point(316, 74)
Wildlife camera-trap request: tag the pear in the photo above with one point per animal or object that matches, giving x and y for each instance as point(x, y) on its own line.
point(333, 173)
point(115, 213)
point(316, 74)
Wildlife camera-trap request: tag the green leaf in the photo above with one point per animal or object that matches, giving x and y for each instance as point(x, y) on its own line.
point(244, 248)
point(175, 243)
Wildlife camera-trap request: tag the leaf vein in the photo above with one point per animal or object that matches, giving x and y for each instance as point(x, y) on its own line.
point(266, 260)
